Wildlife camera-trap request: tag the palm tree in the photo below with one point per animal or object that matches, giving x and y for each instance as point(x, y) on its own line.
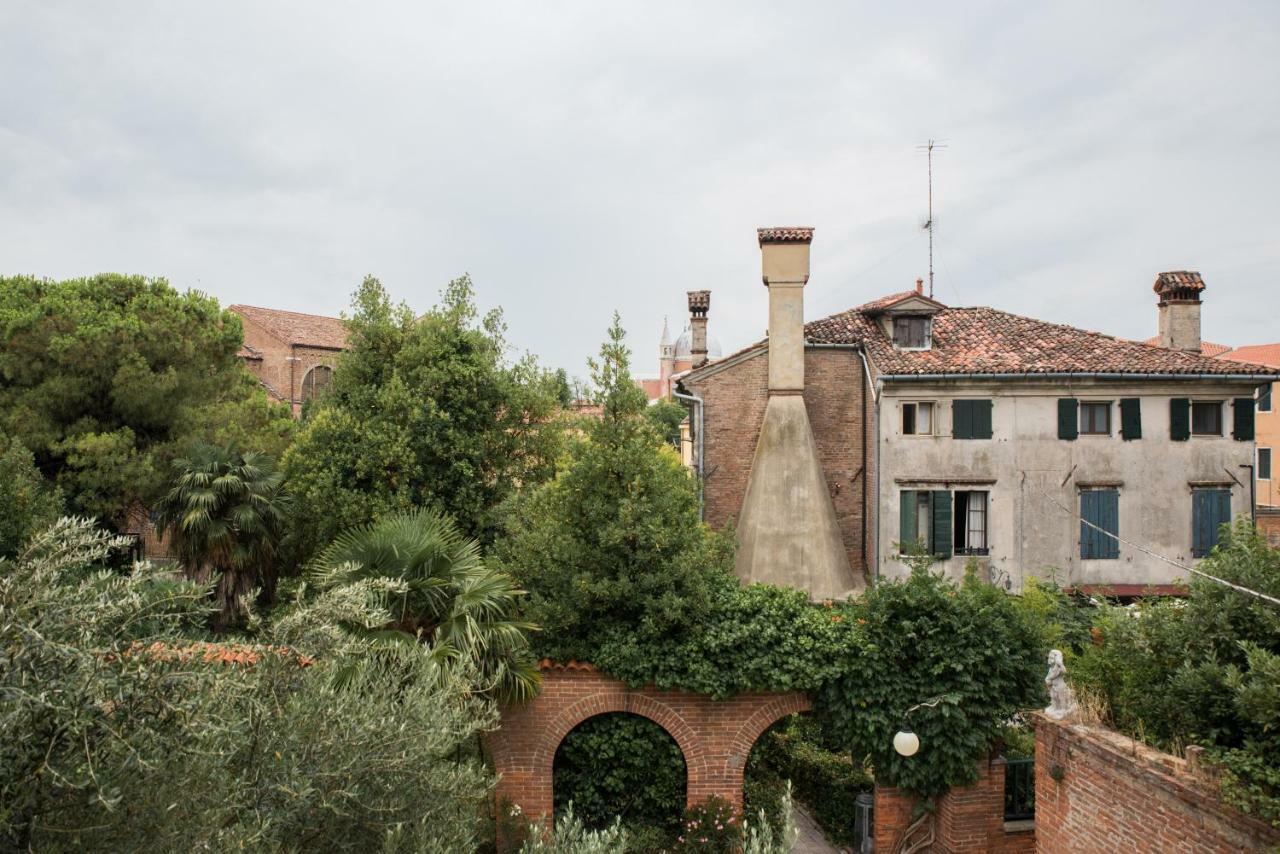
point(444, 595)
point(224, 516)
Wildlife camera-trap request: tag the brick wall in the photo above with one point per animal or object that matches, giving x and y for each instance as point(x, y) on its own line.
point(967, 819)
point(1269, 525)
point(715, 736)
point(282, 377)
point(1099, 791)
point(735, 399)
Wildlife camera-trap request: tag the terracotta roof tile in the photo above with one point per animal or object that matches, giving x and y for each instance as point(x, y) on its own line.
point(984, 340)
point(1258, 354)
point(785, 234)
point(1178, 280)
point(1207, 348)
point(293, 327)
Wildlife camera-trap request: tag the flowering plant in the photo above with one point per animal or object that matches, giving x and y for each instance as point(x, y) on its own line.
point(712, 826)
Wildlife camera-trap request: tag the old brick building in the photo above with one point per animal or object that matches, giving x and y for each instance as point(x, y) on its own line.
point(292, 354)
point(1030, 447)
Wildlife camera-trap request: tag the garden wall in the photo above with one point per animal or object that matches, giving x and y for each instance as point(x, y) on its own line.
point(968, 819)
point(715, 736)
point(1099, 791)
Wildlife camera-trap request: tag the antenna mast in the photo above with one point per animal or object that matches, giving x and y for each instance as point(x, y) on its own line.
point(928, 224)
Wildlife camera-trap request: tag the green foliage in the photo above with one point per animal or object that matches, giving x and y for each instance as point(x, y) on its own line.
point(763, 837)
point(613, 544)
point(666, 416)
point(572, 836)
point(27, 503)
point(924, 638)
point(440, 592)
point(826, 780)
point(422, 412)
point(623, 766)
point(1061, 622)
point(1202, 670)
point(225, 516)
point(140, 739)
point(108, 379)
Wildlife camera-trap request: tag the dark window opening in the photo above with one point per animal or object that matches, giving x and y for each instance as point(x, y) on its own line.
point(1264, 464)
point(911, 332)
point(1264, 399)
point(971, 523)
point(1206, 418)
point(1095, 418)
point(316, 381)
point(917, 419)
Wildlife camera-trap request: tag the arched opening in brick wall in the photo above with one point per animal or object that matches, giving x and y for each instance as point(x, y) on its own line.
point(622, 765)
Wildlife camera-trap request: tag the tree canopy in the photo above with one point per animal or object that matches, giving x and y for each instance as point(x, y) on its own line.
point(423, 412)
point(107, 379)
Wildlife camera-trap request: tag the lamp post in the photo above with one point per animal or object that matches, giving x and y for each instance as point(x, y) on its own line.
point(906, 742)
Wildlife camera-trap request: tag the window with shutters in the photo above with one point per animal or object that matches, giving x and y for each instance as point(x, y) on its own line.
point(1206, 418)
point(1099, 524)
point(1095, 418)
point(925, 520)
point(911, 332)
point(971, 419)
point(917, 418)
point(1210, 510)
point(1264, 399)
point(1264, 464)
point(970, 535)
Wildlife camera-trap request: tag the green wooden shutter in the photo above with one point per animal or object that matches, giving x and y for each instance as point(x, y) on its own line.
point(981, 419)
point(907, 520)
point(1242, 409)
point(1180, 419)
point(942, 523)
point(1068, 418)
point(961, 419)
point(1131, 418)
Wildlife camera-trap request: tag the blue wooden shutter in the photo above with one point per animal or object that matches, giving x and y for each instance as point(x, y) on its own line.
point(1088, 513)
point(1131, 418)
point(1242, 410)
point(1068, 418)
point(1210, 509)
point(1109, 512)
point(942, 523)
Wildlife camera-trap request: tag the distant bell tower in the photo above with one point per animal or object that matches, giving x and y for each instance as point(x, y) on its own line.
point(666, 358)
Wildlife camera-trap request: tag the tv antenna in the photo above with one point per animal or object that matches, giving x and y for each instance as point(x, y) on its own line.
point(928, 148)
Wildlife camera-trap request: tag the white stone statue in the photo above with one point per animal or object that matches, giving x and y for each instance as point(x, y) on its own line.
point(1062, 701)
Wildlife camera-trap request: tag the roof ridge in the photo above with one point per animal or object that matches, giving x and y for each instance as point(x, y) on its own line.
point(285, 311)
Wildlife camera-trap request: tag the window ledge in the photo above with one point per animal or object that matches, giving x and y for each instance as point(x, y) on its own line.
point(1099, 484)
point(1022, 826)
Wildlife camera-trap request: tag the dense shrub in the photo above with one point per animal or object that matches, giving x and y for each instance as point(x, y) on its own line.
point(125, 732)
point(1203, 670)
point(27, 502)
point(622, 766)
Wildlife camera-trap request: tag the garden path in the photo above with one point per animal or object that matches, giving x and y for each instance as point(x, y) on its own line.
point(809, 838)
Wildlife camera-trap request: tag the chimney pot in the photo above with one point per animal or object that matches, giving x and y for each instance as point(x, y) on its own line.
point(1179, 309)
point(699, 305)
point(920, 286)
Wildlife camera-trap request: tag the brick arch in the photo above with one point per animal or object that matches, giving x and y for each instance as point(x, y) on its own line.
point(609, 702)
point(714, 736)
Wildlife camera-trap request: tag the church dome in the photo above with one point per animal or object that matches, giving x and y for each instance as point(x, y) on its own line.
point(684, 347)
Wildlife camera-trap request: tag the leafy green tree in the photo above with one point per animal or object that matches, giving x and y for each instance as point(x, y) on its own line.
point(27, 502)
point(423, 412)
point(666, 416)
point(108, 379)
point(613, 543)
point(441, 593)
point(144, 737)
point(225, 517)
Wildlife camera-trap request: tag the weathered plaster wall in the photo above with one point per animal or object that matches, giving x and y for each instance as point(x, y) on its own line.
point(1032, 467)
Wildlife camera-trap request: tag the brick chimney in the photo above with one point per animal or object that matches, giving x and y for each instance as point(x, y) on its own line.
point(1179, 308)
point(787, 530)
point(699, 305)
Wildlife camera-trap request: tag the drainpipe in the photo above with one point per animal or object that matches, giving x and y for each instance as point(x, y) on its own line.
point(697, 427)
point(875, 435)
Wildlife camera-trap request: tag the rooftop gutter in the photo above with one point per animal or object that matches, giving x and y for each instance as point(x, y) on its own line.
point(1062, 375)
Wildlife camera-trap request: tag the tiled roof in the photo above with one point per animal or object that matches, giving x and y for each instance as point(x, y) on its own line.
point(983, 340)
point(1180, 280)
point(785, 234)
point(293, 327)
point(1207, 348)
point(247, 352)
point(1259, 354)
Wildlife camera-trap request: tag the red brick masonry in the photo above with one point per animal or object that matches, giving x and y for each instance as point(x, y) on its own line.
point(714, 735)
point(1098, 791)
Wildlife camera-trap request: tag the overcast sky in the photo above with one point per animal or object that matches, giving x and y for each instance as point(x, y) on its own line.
point(581, 157)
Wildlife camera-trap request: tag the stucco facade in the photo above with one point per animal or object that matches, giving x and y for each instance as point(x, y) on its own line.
point(1034, 478)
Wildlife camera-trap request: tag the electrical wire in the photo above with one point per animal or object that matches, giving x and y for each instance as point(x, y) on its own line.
point(1263, 596)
